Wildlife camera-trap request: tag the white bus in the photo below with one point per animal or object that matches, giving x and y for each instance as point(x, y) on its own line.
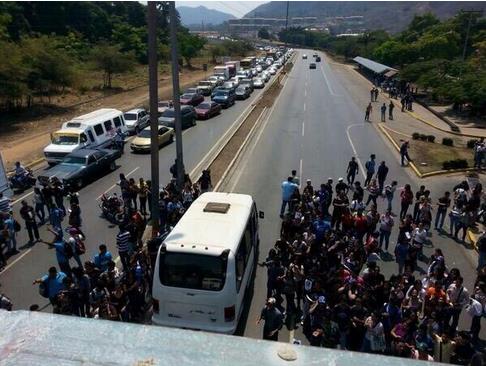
point(204, 266)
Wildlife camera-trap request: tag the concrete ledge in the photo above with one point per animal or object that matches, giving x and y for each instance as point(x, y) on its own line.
point(452, 125)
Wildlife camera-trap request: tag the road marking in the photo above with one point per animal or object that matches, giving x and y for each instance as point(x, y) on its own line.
point(328, 83)
point(16, 260)
point(354, 149)
point(22, 198)
point(303, 128)
point(256, 140)
point(300, 171)
point(304, 107)
point(114, 185)
point(305, 92)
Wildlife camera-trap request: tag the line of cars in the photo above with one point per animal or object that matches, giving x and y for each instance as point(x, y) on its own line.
point(312, 65)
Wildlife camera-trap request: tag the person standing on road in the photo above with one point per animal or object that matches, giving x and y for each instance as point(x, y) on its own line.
point(123, 245)
point(103, 258)
point(64, 251)
point(142, 196)
point(288, 188)
point(386, 225)
point(383, 112)
point(27, 213)
point(125, 190)
point(381, 175)
point(406, 199)
point(51, 284)
point(391, 106)
point(370, 169)
point(56, 215)
point(459, 298)
point(481, 245)
point(376, 94)
point(368, 111)
point(39, 205)
point(352, 170)
point(442, 205)
point(10, 226)
point(273, 320)
point(389, 193)
point(404, 153)
point(295, 177)
point(372, 94)
point(403, 102)
point(4, 204)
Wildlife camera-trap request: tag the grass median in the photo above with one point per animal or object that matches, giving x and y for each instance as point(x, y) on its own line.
point(428, 156)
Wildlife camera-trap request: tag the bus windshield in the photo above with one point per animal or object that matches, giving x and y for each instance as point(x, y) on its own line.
point(59, 139)
point(193, 271)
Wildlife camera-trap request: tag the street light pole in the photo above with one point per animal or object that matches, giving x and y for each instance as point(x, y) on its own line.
point(175, 95)
point(153, 100)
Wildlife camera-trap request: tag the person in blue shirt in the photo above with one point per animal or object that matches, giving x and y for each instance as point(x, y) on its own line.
point(12, 240)
point(288, 189)
point(53, 283)
point(63, 252)
point(370, 169)
point(320, 227)
point(103, 258)
point(56, 216)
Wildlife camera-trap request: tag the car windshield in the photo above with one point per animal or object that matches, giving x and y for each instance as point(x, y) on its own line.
point(77, 160)
point(187, 96)
point(204, 106)
point(168, 113)
point(228, 85)
point(240, 89)
point(130, 116)
point(205, 83)
point(65, 139)
point(163, 104)
point(194, 271)
point(144, 134)
point(221, 93)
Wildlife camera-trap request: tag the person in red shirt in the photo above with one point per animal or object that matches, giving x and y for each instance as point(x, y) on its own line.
point(360, 225)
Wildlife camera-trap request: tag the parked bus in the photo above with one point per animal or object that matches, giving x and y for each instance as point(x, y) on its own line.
point(205, 265)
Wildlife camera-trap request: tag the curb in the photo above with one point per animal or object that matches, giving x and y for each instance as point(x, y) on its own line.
point(414, 167)
point(452, 125)
point(417, 117)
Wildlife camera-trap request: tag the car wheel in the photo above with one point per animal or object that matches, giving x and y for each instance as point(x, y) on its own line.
point(112, 166)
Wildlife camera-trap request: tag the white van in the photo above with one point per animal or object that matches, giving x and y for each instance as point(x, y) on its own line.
point(92, 130)
point(204, 266)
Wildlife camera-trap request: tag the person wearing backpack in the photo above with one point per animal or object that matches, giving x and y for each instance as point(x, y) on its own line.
point(64, 251)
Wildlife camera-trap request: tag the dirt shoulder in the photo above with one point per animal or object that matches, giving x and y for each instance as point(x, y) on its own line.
point(26, 142)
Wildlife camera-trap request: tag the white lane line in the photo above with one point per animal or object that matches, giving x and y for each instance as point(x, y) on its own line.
point(10, 265)
point(354, 149)
point(303, 128)
point(328, 83)
point(300, 171)
point(304, 107)
point(114, 185)
point(256, 140)
point(305, 92)
point(22, 198)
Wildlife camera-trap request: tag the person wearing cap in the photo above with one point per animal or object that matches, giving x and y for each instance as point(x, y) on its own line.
point(341, 186)
point(273, 320)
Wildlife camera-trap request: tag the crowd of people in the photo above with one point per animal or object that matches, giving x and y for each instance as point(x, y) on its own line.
point(324, 274)
point(96, 286)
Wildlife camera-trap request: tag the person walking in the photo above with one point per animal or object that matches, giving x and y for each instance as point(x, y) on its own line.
point(381, 174)
point(27, 213)
point(273, 320)
point(288, 188)
point(376, 94)
point(402, 102)
point(39, 205)
point(404, 153)
point(383, 112)
point(406, 199)
point(391, 106)
point(368, 111)
point(370, 169)
point(352, 170)
point(442, 205)
point(372, 94)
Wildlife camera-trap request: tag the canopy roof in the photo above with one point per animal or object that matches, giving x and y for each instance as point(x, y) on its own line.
point(373, 65)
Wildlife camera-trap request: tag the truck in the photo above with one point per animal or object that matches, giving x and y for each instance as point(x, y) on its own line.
point(234, 66)
point(248, 63)
point(222, 71)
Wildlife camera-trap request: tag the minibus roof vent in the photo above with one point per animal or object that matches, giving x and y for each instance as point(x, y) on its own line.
point(217, 207)
point(73, 124)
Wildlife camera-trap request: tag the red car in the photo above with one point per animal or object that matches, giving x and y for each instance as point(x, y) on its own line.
point(193, 99)
point(207, 110)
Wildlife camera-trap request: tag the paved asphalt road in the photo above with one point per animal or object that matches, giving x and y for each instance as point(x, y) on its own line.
point(32, 262)
point(315, 128)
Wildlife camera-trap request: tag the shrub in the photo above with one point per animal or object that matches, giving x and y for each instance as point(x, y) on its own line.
point(423, 137)
point(430, 138)
point(455, 164)
point(447, 141)
point(471, 143)
point(415, 135)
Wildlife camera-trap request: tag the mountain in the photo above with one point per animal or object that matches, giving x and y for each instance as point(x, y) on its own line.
point(392, 16)
point(200, 14)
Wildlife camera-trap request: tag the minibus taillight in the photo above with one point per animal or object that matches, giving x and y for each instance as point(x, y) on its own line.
point(155, 305)
point(229, 313)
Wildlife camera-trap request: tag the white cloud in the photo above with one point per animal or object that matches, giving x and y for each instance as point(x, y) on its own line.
point(236, 8)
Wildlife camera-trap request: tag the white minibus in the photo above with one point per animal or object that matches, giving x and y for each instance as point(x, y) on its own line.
point(205, 265)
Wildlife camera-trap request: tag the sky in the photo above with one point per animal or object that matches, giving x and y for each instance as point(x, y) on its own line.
point(236, 8)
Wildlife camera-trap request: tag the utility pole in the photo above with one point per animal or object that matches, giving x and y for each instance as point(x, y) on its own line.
point(464, 50)
point(175, 95)
point(286, 24)
point(154, 125)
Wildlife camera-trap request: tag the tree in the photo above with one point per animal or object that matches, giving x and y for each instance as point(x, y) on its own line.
point(263, 33)
point(13, 74)
point(111, 61)
point(217, 51)
point(131, 38)
point(189, 46)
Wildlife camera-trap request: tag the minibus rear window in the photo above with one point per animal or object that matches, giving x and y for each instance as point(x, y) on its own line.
point(194, 271)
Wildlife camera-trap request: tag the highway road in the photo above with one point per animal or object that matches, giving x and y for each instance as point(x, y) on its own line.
point(315, 127)
point(32, 262)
